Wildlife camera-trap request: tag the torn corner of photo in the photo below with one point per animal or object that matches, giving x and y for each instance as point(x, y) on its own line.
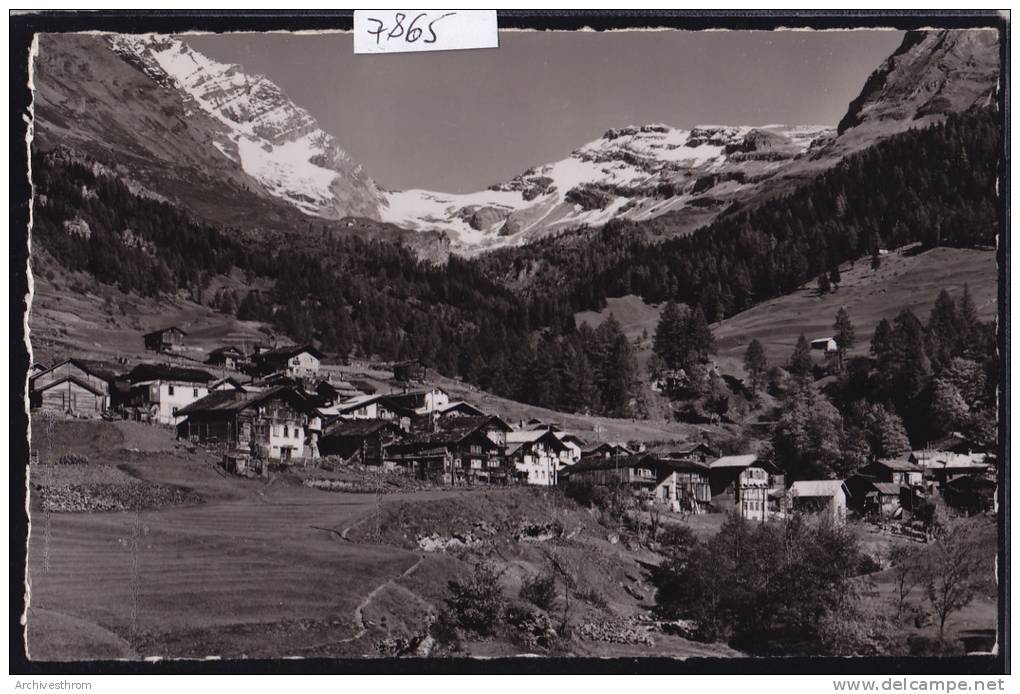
point(407, 31)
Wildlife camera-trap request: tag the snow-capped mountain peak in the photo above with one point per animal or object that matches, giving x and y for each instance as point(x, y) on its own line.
point(635, 172)
point(276, 142)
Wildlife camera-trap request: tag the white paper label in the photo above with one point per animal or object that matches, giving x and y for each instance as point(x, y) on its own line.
point(402, 31)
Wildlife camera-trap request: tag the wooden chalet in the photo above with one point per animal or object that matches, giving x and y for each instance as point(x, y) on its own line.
point(295, 361)
point(458, 455)
point(270, 425)
point(825, 497)
point(365, 438)
point(78, 387)
point(228, 357)
point(414, 370)
point(680, 485)
point(169, 339)
point(493, 426)
point(742, 483)
point(970, 494)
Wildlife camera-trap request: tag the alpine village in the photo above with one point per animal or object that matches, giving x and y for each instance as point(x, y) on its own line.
point(758, 425)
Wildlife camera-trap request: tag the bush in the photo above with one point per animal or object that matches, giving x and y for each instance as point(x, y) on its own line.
point(476, 604)
point(73, 459)
point(540, 591)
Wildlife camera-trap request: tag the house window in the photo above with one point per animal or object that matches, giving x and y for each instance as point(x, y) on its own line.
point(476, 448)
point(174, 411)
point(286, 431)
point(194, 392)
point(169, 390)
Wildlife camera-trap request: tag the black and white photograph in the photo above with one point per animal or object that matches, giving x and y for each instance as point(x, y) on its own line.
point(659, 341)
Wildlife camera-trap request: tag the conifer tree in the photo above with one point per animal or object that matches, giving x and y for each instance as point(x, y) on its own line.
point(843, 334)
point(801, 363)
point(756, 365)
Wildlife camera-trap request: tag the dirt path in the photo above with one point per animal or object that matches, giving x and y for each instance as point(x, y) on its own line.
point(359, 611)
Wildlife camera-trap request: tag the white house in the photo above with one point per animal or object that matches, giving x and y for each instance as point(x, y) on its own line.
point(536, 454)
point(574, 445)
point(165, 389)
point(301, 361)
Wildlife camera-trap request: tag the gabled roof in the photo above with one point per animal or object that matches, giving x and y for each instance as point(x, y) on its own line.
point(99, 369)
point(359, 427)
point(620, 448)
point(443, 437)
point(227, 349)
point(165, 372)
point(459, 405)
point(77, 381)
point(572, 437)
point(738, 461)
point(817, 488)
point(524, 438)
point(645, 460)
point(689, 448)
point(234, 401)
point(288, 352)
point(229, 379)
point(478, 422)
point(887, 488)
point(169, 328)
point(898, 465)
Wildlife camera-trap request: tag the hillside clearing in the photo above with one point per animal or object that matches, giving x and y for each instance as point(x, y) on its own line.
point(906, 279)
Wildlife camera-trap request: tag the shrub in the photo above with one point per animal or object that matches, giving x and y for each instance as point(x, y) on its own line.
point(593, 597)
point(73, 459)
point(540, 591)
point(476, 604)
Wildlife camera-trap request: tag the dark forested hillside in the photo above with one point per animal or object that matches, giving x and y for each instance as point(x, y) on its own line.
point(504, 321)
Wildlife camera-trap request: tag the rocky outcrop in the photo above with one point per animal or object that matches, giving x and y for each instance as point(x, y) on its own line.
point(931, 74)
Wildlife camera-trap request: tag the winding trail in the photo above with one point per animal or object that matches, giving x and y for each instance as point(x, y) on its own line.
point(359, 611)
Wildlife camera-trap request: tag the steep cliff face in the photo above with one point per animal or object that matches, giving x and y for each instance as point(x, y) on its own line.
point(932, 73)
point(170, 116)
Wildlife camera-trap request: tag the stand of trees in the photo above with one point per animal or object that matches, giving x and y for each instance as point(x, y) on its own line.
point(922, 382)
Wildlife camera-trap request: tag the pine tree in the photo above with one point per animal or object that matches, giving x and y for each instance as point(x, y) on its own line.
point(943, 330)
point(843, 333)
point(669, 340)
point(876, 259)
point(881, 341)
point(801, 363)
point(824, 286)
point(834, 276)
point(909, 367)
point(756, 365)
point(701, 341)
point(968, 319)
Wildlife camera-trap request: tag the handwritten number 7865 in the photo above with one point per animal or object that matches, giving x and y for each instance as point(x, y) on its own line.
point(411, 33)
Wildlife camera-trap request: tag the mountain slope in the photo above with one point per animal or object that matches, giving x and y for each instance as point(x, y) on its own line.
point(929, 75)
point(230, 147)
point(635, 173)
point(235, 150)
